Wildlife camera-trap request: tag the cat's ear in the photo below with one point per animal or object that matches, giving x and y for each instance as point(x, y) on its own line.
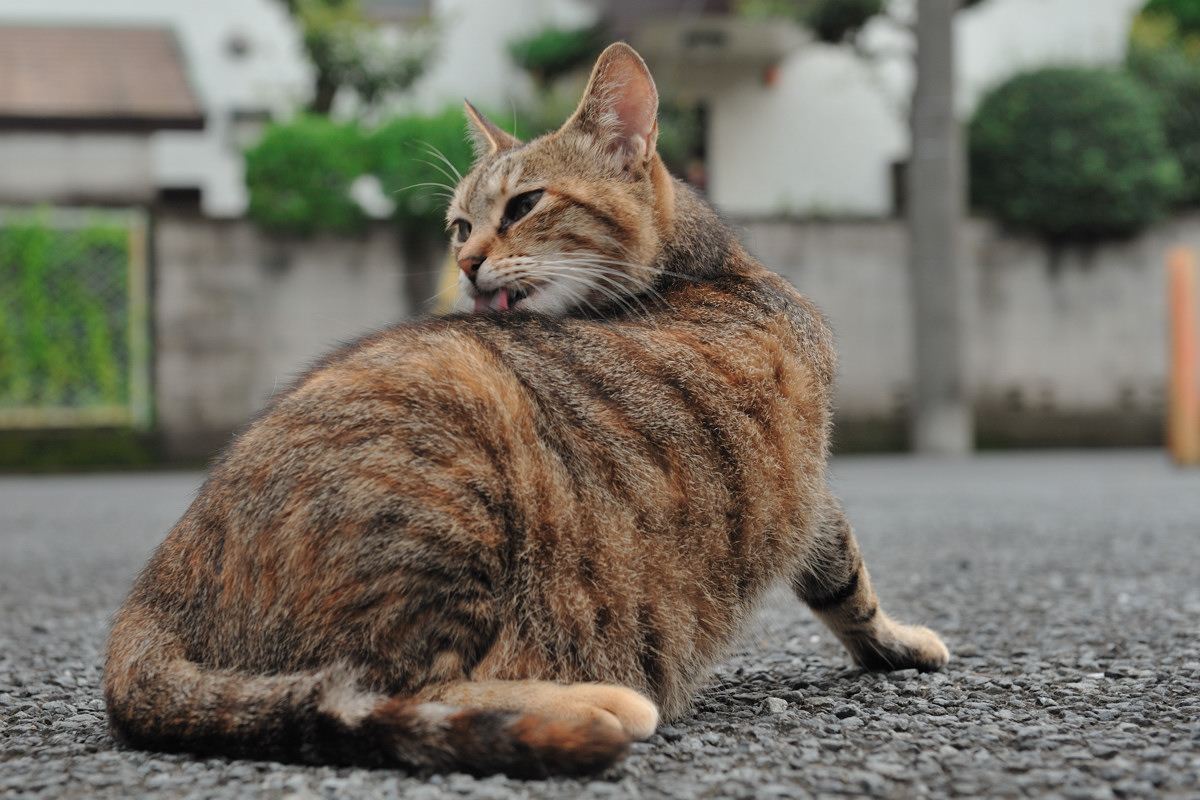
point(487, 137)
point(620, 105)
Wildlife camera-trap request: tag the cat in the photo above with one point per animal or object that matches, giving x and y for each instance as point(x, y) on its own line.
point(511, 539)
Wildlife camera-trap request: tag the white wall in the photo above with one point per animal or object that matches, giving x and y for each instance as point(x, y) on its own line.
point(819, 141)
point(822, 140)
point(74, 168)
point(998, 38)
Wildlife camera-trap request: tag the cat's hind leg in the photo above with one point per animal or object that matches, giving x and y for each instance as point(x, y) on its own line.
point(834, 583)
point(614, 707)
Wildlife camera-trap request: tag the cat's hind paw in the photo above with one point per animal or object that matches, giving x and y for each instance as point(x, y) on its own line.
point(636, 715)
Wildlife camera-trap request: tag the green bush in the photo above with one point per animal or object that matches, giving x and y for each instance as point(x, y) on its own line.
point(1184, 13)
point(63, 329)
point(1167, 61)
point(1071, 153)
point(554, 52)
point(299, 174)
point(418, 160)
point(299, 177)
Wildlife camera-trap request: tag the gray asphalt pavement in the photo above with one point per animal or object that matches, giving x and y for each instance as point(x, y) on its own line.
point(1067, 586)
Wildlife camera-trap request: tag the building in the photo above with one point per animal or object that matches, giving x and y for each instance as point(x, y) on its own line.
point(242, 61)
point(79, 107)
point(793, 127)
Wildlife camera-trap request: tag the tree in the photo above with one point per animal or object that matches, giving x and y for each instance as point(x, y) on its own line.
point(349, 51)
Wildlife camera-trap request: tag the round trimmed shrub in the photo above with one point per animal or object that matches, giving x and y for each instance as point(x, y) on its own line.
point(1164, 54)
point(1071, 153)
point(1174, 82)
point(299, 176)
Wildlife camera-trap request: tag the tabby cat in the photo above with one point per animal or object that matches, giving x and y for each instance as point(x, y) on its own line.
point(509, 539)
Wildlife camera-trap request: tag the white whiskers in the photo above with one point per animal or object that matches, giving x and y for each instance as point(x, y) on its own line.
point(578, 280)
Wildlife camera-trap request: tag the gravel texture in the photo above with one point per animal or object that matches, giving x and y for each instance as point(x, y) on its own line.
point(1064, 584)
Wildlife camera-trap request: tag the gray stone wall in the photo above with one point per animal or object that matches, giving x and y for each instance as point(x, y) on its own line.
point(1067, 346)
point(238, 314)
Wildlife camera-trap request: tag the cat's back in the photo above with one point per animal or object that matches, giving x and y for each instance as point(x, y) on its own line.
point(501, 435)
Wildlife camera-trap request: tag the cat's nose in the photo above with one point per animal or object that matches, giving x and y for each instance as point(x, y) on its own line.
point(470, 266)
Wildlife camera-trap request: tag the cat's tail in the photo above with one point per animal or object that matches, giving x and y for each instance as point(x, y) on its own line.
point(157, 699)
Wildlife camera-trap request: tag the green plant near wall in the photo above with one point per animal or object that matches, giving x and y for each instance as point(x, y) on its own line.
point(1071, 154)
point(299, 176)
point(553, 53)
point(1164, 54)
point(418, 160)
point(63, 329)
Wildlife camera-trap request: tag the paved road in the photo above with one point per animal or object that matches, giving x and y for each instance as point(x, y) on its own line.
point(1066, 585)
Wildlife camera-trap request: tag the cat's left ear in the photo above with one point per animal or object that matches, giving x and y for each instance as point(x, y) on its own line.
point(488, 137)
point(620, 105)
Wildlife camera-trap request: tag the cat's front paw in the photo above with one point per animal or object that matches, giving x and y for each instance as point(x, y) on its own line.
point(902, 647)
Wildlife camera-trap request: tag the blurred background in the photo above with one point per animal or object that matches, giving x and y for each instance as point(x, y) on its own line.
point(198, 197)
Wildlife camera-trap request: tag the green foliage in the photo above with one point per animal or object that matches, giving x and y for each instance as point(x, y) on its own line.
point(28, 451)
point(680, 135)
point(299, 177)
point(418, 160)
point(831, 21)
point(63, 327)
point(348, 50)
point(1168, 64)
point(1175, 85)
point(836, 21)
point(554, 52)
point(1185, 14)
point(1071, 154)
point(299, 174)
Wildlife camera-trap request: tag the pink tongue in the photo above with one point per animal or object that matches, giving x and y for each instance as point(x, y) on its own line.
point(484, 301)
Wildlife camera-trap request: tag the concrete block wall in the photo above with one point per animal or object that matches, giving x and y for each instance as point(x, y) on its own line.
point(1067, 346)
point(238, 315)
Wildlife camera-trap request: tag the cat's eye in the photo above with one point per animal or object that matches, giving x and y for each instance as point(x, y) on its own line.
point(462, 230)
point(518, 207)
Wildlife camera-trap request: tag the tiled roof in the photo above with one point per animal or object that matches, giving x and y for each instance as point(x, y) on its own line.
point(93, 78)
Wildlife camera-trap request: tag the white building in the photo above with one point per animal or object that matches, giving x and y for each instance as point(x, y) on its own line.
point(820, 137)
point(244, 60)
point(823, 138)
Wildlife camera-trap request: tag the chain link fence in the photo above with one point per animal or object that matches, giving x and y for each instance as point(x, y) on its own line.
point(74, 337)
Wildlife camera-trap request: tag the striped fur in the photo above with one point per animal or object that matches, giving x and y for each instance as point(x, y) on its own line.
point(509, 541)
